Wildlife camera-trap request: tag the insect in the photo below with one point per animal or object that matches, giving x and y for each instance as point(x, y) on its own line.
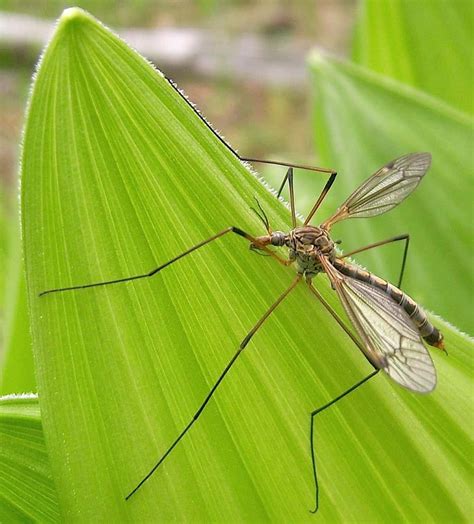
point(389, 325)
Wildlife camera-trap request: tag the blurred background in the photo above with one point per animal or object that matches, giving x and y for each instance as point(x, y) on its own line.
point(243, 63)
point(246, 66)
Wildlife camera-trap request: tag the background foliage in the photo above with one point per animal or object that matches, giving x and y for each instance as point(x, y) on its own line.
point(138, 203)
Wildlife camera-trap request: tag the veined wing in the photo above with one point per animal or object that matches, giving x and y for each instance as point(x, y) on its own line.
point(385, 189)
point(390, 339)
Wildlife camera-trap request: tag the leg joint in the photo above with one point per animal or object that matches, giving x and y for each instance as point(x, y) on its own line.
point(238, 231)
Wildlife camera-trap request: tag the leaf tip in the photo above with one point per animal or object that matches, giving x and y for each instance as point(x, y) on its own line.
point(317, 58)
point(74, 15)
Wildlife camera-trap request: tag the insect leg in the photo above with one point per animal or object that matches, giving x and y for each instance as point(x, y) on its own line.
point(153, 272)
point(242, 346)
point(311, 433)
point(289, 178)
point(232, 150)
point(405, 237)
point(319, 410)
point(321, 197)
point(306, 167)
point(336, 317)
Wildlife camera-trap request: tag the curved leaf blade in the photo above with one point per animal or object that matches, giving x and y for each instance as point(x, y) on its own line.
point(427, 45)
point(364, 121)
point(119, 175)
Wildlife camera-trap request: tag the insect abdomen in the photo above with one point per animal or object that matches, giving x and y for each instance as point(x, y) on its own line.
point(430, 333)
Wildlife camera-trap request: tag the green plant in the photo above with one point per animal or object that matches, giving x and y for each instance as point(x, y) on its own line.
point(396, 98)
point(119, 174)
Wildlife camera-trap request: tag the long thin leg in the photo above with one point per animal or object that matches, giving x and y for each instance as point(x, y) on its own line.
point(283, 164)
point(336, 317)
point(321, 197)
point(242, 346)
point(405, 237)
point(316, 411)
point(229, 147)
point(289, 178)
point(153, 272)
point(242, 158)
point(311, 433)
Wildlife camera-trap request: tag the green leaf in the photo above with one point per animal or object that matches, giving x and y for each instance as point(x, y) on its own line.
point(120, 175)
point(4, 228)
point(27, 492)
point(365, 120)
point(427, 45)
point(17, 370)
point(16, 358)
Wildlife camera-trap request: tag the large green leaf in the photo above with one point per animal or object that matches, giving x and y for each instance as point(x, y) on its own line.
point(365, 120)
point(119, 175)
point(27, 492)
point(425, 44)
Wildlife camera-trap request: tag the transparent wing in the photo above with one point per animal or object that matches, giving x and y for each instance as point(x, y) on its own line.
point(385, 189)
point(390, 339)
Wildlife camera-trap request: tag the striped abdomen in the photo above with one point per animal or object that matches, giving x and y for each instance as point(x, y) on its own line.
point(430, 333)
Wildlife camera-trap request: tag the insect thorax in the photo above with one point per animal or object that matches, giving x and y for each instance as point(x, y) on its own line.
point(305, 244)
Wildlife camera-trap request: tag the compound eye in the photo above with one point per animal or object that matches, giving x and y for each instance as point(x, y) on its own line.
point(278, 238)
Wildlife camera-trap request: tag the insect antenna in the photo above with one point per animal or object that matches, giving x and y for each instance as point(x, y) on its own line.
point(262, 215)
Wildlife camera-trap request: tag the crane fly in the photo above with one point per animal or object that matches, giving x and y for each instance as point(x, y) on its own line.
point(390, 326)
